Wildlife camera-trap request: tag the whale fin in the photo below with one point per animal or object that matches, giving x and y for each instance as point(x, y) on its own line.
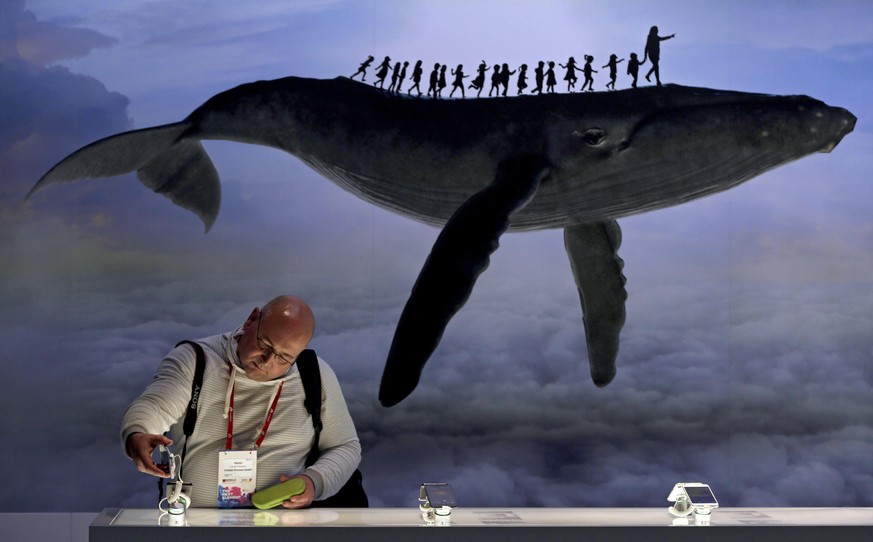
point(460, 254)
point(597, 269)
point(178, 168)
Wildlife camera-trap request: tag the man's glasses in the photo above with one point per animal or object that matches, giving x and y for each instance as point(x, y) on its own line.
point(282, 358)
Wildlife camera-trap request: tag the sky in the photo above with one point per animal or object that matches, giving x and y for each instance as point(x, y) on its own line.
point(745, 361)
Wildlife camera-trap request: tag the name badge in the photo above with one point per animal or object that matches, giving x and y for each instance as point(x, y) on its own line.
point(237, 475)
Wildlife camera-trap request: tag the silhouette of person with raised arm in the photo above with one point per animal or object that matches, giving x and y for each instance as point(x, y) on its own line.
point(417, 71)
point(613, 69)
point(504, 77)
point(363, 68)
point(522, 78)
point(395, 74)
point(402, 77)
point(538, 77)
point(459, 80)
point(442, 83)
point(495, 80)
point(633, 68)
point(653, 52)
point(383, 72)
point(434, 80)
point(479, 82)
point(588, 69)
point(550, 78)
point(570, 76)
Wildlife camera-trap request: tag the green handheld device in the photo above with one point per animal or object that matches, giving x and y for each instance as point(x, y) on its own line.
point(276, 495)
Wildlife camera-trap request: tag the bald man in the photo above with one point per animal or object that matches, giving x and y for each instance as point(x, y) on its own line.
point(251, 399)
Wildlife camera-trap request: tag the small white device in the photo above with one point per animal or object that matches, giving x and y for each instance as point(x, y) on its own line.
point(436, 502)
point(178, 493)
point(693, 498)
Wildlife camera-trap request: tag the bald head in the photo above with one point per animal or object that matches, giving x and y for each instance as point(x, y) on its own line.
point(292, 316)
point(278, 331)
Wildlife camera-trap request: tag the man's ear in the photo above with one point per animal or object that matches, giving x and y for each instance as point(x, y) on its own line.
point(253, 317)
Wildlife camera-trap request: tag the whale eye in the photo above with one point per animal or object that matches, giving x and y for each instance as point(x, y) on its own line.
point(591, 136)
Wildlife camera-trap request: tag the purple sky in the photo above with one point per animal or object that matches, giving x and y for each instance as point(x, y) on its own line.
point(746, 361)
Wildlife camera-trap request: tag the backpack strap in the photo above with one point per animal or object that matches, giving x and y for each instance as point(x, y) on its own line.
point(196, 386)
point(310, 376)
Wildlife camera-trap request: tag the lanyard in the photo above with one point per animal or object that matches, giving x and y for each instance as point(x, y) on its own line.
point(228, 443)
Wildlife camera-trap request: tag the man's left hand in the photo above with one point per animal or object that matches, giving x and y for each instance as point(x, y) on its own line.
point(304, 499)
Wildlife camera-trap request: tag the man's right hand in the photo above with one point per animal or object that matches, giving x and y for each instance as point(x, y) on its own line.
point(139, 447)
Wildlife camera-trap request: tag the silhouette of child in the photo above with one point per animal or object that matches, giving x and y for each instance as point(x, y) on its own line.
point(504, 77)
point(570, 77)
point(394, 75)
point(417, 71)
point(653, 52)
point(613, 69)
point(589, 80)
point(363, 68)
point(383, 72)
point(633, 68)
point(550, 79)
point(538, 77)
point(459, 80)
point(402, 77)
point(442, 83)
point(495, 80)
point(479, 81)
point(434, 80)
point(522, 78)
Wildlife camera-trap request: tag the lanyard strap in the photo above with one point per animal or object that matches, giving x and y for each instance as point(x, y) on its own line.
point(228, 443)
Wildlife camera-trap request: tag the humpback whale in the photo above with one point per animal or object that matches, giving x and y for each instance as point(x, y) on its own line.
point(480, 167)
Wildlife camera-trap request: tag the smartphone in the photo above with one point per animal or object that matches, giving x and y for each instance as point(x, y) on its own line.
point(439, 495)
point(700, 495)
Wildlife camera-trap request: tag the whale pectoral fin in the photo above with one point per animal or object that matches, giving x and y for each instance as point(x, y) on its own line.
point(185, 174)
point(597, 268)
point(459, 255)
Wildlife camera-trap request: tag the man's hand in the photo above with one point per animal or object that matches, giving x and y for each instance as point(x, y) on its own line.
point(304, 499)
point(139, 447)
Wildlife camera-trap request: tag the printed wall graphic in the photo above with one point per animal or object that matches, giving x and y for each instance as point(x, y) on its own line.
point(744, 358)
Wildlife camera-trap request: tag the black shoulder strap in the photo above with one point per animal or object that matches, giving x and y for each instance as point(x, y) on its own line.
point(310, 375)
point(196, 385)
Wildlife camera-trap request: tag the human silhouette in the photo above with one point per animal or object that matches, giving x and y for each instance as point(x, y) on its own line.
point(402, 77)
point(588, 69)
point(522, 78)
point(395, 74)
point(362, 69)
point(504, 77)
point(550, 78)
point(633, 68)
point(459, 80)
point(538, 77)
point(653, 52)
point(495, 80)
point(613, 69)
point(479, 82)
point(570, 76)
point(434, 80)
point(383, 72)
point(442, 82)
point(417, 71)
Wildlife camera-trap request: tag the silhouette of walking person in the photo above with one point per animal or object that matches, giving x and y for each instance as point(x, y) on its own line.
point(588, 69)
point(363, 68)
point(522, 78)
point(653, 52)
point(495, 80)
point(434, 80)
point(633, 68)
point(459, 80)
point(504, 77)
point(383, 72)
point(613, 69)
point(442, 82)
point(479, 82)
point(570, 76)
point(417, 71)
point(402, 77)
point(550, 78)
point(395, 74)
point(538, 78)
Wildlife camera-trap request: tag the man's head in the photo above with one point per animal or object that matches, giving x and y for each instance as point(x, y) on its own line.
point(273, 337)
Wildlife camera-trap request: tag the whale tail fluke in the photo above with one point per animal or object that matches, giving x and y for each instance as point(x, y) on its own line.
point(165, 162)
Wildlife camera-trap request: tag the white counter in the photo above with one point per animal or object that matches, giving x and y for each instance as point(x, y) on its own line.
point(486, 524)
